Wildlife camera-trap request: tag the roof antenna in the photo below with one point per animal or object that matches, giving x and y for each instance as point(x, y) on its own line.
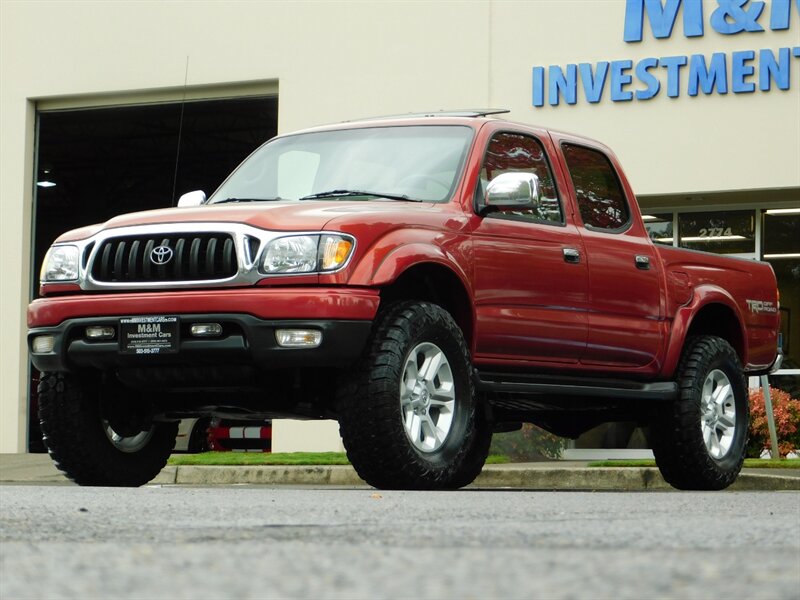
point(180, 132)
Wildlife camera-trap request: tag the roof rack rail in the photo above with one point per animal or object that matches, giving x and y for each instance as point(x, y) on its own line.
point(469, 112)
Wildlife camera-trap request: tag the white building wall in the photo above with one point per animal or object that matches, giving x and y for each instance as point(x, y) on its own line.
point(343, 60)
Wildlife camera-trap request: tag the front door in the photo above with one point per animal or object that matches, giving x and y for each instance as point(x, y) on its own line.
point(531, 284)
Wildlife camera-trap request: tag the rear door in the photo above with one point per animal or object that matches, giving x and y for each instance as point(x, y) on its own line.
point(530, 282)
point(625, 316)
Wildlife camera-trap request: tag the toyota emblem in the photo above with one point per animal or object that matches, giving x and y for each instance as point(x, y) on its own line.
point(161, 255)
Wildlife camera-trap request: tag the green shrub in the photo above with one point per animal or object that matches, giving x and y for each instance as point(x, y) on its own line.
point(787, 422)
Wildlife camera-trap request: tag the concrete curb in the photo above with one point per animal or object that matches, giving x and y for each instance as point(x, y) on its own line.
point(493, 476)
point(555, 475)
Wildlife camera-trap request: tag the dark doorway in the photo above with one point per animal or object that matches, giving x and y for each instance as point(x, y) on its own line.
point(94, 164)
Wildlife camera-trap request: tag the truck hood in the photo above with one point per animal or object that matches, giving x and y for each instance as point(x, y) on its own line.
point(274, 216)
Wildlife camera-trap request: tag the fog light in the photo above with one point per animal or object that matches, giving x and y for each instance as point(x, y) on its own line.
point(298, 338)
point(206, 329)
point(100, 332)
point(43, 344)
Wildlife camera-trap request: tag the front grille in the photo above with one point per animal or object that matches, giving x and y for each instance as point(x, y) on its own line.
point(194, 257)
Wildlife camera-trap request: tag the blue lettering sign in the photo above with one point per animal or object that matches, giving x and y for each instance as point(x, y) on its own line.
point(741, 70)
point(593, 83)
point(646, 77)
point(770, 69)
point(731, 18)
point(779, 13)
point(706, 74)
point(563, 84)
point(619, 79)
point(538, 86)
point(707, 78)
point(662, 18)
point(673, 66)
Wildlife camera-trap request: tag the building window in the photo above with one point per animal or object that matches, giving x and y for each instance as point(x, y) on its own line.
point(660, 228)
point(781, 248)
point(722, 232)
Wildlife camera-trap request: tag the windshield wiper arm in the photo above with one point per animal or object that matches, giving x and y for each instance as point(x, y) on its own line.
point(276, 199)
point(341, 193)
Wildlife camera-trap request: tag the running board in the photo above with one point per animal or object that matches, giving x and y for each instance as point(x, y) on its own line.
point(575, 387)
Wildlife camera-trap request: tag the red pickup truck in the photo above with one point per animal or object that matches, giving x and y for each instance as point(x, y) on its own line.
point(426, 281)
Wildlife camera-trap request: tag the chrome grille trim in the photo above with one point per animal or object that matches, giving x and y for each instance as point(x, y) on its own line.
point(249, 244)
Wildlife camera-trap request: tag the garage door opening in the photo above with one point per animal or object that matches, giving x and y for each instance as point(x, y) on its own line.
point(94, 164)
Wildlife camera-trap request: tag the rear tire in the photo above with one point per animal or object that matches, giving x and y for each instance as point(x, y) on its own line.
point(409, 417)
point(699, 440)
point(86, 447)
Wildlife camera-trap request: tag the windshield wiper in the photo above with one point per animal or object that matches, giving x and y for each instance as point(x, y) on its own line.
point(276, 199)
point(341, 193)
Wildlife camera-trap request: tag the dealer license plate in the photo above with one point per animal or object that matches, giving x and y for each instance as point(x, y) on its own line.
point(148, 335)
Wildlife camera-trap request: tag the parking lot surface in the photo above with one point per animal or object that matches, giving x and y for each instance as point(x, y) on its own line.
point(267, 542)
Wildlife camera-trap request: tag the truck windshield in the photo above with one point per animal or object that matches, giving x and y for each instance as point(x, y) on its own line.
point(414, 163)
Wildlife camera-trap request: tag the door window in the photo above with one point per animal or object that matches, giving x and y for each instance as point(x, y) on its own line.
point(517, 153)
point(601, 200)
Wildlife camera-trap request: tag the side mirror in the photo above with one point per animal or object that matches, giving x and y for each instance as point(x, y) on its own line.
point(511, 191)
point(190, 199)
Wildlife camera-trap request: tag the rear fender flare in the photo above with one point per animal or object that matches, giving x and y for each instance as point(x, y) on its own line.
point(704, 295)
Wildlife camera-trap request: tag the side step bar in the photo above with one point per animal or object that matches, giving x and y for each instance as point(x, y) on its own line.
point(574, 387)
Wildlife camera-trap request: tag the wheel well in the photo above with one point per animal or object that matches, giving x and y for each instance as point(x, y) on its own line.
point(721, 321)
point(437, 284)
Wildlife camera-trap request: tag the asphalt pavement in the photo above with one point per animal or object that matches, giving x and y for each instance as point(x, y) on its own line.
point(285, 542)
point(550, 475)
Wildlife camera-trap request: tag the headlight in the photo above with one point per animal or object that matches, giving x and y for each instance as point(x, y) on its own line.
point(61, 264)
point(307, 253)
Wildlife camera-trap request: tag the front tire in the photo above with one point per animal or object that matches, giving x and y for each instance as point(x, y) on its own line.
point(409, 417)
point(699, 441)
point(85, 445)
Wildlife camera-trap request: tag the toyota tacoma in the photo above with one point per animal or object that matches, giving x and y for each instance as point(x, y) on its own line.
point(426, 281)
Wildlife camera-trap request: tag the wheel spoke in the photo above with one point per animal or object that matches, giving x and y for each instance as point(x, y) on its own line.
point(443, 404)
point(707, 435)
point(414, 428)
point(715, 449)
point(727, 421)
point(437, 434)
point(431, 366)
point(722, 394)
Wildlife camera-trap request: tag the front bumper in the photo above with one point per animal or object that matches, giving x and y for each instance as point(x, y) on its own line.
point(246, 340)
point(249, 319)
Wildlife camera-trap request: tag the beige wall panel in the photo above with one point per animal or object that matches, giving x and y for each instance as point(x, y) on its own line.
point(290, 435)
point(666, 145)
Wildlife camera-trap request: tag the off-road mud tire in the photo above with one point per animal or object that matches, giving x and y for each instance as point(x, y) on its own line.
point(370, 415)
point(70, 416)
point(681, 453)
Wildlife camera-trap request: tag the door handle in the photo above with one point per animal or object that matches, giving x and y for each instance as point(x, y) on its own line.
point(642, 262)
point(571, 255)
